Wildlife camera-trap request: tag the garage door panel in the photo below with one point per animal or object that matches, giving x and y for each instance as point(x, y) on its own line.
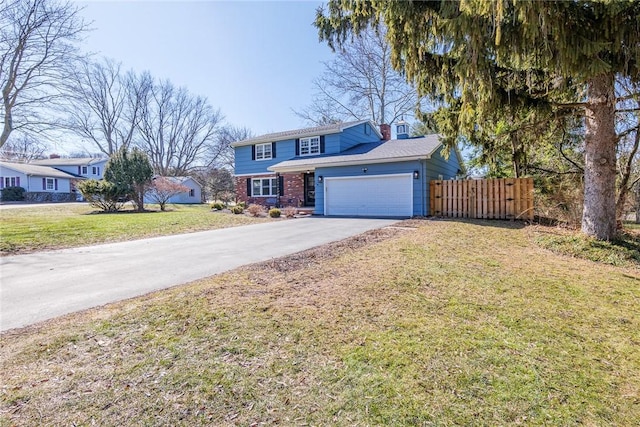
point(380, 195)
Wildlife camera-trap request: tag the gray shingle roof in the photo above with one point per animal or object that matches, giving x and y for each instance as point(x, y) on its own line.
point(35, 170)
point(80, 161)
point(301, 133)
point(373, 152)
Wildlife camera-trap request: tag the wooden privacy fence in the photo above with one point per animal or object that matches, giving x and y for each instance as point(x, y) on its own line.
point(506, 198)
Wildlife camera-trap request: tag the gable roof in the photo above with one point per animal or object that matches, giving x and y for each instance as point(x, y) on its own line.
point(301, 133)
point(79, 161)
point(180, 179)
point(35, 170)
point(395, 150)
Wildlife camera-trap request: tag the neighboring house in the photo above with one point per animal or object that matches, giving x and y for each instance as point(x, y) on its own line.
point(85, 167)
point(347, 169)
point(193, 195)
point(42, 183)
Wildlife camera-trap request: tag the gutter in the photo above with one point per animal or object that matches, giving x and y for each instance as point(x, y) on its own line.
point(349, 162)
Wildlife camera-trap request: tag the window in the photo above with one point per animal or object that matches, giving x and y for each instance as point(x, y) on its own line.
point(50, 184)
point(11, 181)
point(192, 193)
point(84, 170)
point(367, 129)
point(95, 170)
point(264, 187)
point(263, 151)
point(309, 146)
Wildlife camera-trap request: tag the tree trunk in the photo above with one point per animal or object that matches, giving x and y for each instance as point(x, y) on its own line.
point(599, 213)
point(638, 202)
point(624, 186)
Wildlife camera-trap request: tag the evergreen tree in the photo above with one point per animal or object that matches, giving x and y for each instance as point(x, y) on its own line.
point(480, 55)
point(131, 173)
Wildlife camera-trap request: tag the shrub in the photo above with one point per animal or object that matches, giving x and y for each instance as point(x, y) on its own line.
point(243, 204)
point(13, 194)
point(103, 194)
point(274, 213)
point(290, 211)
point(256, 210)
point(217, 206)
point(237, 209)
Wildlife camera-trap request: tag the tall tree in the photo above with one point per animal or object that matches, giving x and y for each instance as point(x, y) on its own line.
point(360, 83)
point(131, 173)
point(457, 50)
point(36, 52)
point(179, 131)
point(24, 148)
point(104, 103)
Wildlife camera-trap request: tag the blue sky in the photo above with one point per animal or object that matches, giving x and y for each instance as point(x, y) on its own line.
point(254, 60)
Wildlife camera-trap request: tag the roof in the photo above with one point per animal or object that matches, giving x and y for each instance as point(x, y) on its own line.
point(301, 133)
point(395, 150)
point(180, 179)
point(79, 161)
point(35, 170)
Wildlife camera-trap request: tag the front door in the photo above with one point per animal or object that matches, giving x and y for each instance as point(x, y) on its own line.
point(309, 189)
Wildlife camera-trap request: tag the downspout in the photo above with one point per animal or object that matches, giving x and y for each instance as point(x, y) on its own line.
point(424, 187)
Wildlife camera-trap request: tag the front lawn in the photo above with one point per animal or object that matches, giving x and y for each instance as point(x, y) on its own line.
point(450, 323)
point(36, 228)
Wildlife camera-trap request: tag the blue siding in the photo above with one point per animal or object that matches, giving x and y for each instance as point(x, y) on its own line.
point(356, 135)
point(286, 149)
point(437, 165)
point(419, 185)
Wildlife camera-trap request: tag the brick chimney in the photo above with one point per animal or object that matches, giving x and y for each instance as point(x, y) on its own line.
point(385, 130)
point(54, 156)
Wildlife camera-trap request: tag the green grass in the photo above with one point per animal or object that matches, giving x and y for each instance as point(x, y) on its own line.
point(451, 323)
point(31, 229)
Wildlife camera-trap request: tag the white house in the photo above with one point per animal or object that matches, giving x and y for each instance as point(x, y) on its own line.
point(43, 180)
point(86, 167)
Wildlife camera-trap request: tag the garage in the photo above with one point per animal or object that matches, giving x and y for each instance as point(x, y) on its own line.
point(376, 195)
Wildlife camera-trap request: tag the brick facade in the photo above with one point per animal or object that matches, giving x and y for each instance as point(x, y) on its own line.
point(293, 191)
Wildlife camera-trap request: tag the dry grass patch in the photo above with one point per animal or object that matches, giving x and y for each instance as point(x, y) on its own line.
point(451, 323)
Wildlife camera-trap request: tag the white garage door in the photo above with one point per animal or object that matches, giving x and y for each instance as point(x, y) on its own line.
point(377, 195)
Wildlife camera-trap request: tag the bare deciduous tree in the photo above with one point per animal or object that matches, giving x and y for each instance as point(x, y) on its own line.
point(23, 149)
point(36, 50)
point(105, 103)
point(360, 83)
point(227, 135)
point(177, 130)
point(163, 188)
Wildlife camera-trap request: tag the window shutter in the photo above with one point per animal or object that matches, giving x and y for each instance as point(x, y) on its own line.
point(273, 150)
point(55, 183)
point(253, 152)
point(44, 183)
point(1, 182)
point(281, 185)
point(298, 147)
point(248, 187)
point(18, 181)
point(321, 144)
point(79, 171)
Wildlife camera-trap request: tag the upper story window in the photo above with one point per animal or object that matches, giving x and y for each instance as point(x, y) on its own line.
point(95, 170)
point(263, 151)
point(84, 170)
point(309, 146)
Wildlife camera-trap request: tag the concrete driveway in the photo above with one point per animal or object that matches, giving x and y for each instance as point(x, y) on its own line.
point(45, 285)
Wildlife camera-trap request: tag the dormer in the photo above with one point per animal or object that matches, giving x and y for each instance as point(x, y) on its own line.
point(402, 130)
